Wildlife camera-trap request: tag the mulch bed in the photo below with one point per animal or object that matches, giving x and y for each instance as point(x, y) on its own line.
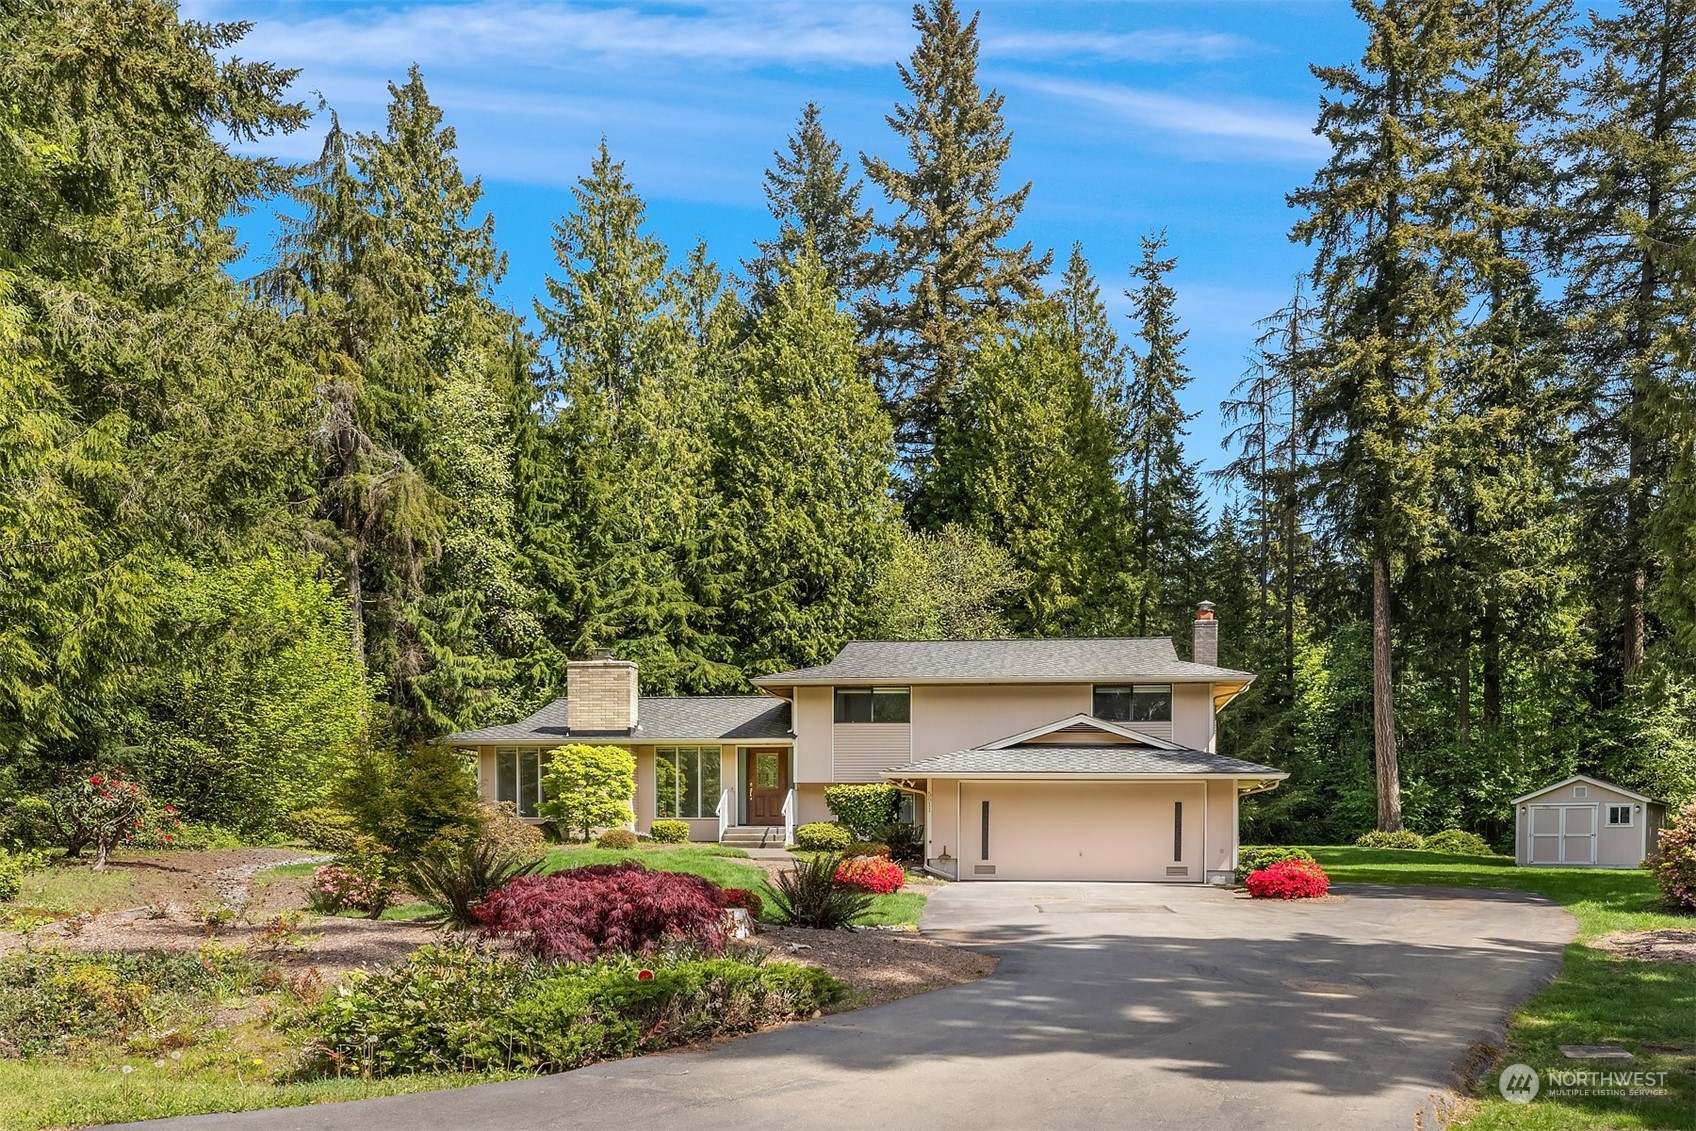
point(1666, 945)
point(881, 965)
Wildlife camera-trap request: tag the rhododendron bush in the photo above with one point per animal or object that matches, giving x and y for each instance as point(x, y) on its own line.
point(1674, 863)
point(580, 913)
point(1289, 879)
point(876, 874)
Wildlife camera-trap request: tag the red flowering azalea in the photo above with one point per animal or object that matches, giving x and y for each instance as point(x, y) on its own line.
point(1288, 879)
point(875, 874)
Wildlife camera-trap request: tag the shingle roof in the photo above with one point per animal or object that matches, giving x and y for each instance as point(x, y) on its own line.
point(1047, 660)
point(659, 719)
point(1089, 760)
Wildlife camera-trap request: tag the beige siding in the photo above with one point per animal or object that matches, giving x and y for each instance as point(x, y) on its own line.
point(809, 801)
point(860, 752)
point(811, 714)
point(947, 718)
point(1568, 819)
point(1221, 850)
point(1192, 715)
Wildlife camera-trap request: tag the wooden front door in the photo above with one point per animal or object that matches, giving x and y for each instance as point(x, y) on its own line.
point(768, 782)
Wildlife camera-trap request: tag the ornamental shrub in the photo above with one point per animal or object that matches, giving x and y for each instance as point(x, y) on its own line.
point(29, 823)
point(407, 800)
point(11, 876)
point(1401, 838)
point(1289, 879)
point(865, 809)
point(906, 842)
point(488, 1013)
point(458, 878)
point(868, 848)
point(581, 913)
point(101, 811)
point(355, 884)
point(512, 834)
point(741, 897)
point(807, 895)
point(588, 787)
point(616, 838)
point(323, 827)
point(669, 832)
point(1458, 842)
point(821, 836)
point(1254, 858)
point(876, 874)
point(1674, 862)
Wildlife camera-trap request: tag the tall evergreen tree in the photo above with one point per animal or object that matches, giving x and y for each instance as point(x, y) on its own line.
point(816, 203)
point(1637, 191)
point(1163, 491)
point(948, 264)
point(1385, 282)
point(804, 496)
point(1027, 456)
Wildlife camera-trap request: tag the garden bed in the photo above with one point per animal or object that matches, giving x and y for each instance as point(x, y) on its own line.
point(879, 965)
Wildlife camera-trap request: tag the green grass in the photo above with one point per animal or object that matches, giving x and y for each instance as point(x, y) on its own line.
point(39, 1094)
point(74, 887)
point(1648, 1008)
point(726, 867)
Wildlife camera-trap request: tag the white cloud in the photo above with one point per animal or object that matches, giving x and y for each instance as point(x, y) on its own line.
point(1273, 130)
point(1165, 46)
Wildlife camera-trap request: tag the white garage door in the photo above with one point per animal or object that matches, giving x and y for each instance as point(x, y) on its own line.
point(1082, 831)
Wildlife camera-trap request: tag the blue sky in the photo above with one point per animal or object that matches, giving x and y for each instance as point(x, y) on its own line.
point(1127, 117)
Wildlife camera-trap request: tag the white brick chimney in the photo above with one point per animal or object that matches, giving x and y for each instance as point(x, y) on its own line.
point(602, 694)
point(1206, 650)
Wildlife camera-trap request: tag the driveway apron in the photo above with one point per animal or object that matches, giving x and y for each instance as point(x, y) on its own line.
point(1115, 1005)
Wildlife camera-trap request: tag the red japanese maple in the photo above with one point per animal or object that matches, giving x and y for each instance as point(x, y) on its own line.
point(577, 914)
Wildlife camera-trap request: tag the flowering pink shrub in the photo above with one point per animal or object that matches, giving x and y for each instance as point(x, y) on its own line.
point(577, 914)
point(876, 874)
point(1289, 879)
point(1674, 862)
point(349, 887)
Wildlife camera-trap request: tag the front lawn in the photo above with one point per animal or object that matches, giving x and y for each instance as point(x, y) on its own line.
point(1648, 1008)
point(730, 868)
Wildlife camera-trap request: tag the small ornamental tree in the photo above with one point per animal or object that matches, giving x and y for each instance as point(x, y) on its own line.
point(589, 787)
point(1674, 862)
point(103, 811)
point(865, 809)
point(580, 913)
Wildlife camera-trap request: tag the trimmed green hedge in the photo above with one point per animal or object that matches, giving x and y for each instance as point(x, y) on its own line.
point(1401, 838)
point(1458, 842)
point(822, 836)
point(489, 1013)
point(669, 832)
point(865, 809)
point(1252, 858)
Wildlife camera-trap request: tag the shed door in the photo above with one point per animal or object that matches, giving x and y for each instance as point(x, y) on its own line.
point(1563, 834)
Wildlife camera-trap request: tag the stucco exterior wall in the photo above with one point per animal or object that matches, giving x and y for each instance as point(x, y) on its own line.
point(1614, 846)
point(1192, 715)
point(1222, 827)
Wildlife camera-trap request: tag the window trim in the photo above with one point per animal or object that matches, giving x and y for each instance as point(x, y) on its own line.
point(872, 694)
point(1131, 690)
point(1629, 821)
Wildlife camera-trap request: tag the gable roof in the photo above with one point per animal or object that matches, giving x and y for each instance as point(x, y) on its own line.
point(1603, 783)
point(1082, 761)
point(658, 719)
point(1007, 661)
point(1081, 722)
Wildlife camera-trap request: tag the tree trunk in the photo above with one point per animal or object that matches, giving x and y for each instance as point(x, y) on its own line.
point(1463, 692)
point(1492, 663)
point(101, 850)
point(1384, 701)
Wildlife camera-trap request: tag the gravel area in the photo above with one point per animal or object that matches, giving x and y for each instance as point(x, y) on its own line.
point(1668, 945)
point(881, 965)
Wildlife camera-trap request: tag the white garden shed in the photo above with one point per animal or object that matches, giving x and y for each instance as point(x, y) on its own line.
point(1585, 822)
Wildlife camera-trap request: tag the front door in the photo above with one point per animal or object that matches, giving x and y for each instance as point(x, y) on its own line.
point(768, 783)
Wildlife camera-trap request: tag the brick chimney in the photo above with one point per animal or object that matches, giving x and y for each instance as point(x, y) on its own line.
point(602, 694)
point(1206, 650)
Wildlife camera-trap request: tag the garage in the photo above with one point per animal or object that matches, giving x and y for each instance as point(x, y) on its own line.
point(1083, 831)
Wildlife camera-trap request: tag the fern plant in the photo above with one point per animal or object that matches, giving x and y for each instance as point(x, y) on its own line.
point(458, 878)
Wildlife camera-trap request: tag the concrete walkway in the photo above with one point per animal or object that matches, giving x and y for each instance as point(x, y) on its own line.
point(1115, 1005)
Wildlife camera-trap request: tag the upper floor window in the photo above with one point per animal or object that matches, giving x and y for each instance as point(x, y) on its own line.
point(873, 705)
point(1134, 703)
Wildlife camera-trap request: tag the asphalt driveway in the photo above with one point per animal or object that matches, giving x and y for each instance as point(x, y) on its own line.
point(1115, 1005)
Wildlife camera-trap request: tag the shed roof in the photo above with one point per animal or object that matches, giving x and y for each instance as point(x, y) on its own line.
point(1602, 782)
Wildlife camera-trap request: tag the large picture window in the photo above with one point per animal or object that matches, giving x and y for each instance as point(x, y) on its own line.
point(1134, 703)
point(686, 781)
point(518, 778)
point(873, 705)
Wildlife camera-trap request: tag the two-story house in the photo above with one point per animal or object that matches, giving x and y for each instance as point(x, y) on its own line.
point(1070, 759)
